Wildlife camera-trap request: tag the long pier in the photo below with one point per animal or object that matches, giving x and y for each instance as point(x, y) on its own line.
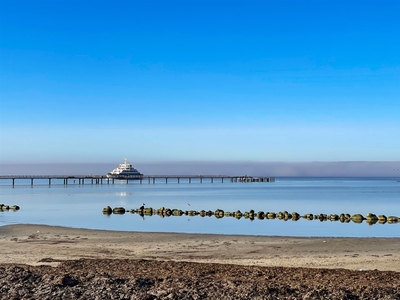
point(103, 179)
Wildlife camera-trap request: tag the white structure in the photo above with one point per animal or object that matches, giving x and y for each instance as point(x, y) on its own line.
point(124, 169)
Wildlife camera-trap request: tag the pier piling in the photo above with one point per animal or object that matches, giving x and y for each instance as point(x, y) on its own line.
point(98, 179)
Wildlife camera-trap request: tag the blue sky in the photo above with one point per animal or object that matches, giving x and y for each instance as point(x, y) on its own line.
point(268, 81)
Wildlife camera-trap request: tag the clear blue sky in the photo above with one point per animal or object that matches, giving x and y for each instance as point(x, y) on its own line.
point(288, 81)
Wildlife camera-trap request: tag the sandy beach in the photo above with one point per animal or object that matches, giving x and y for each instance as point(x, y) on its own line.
point(49, 262)
point(39, 244)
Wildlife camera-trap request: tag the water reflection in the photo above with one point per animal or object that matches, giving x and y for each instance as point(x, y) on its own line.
point(80, 206)
point(370, 219)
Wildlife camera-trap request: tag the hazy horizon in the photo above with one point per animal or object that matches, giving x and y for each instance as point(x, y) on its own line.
point(275, 169)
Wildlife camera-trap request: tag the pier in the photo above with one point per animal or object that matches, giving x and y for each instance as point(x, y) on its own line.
point(103, 179)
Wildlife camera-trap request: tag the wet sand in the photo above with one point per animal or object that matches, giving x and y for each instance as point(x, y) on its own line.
point(50, 245)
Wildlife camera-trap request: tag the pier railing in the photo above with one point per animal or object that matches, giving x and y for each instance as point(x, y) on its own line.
point(100, 179)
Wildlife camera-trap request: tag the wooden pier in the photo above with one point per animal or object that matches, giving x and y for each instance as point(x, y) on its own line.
point(103, 179)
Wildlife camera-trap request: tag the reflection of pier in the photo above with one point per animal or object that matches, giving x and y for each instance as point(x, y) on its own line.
point(102, 179)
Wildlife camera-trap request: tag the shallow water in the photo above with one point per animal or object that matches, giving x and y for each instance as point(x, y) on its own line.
point(80, 206)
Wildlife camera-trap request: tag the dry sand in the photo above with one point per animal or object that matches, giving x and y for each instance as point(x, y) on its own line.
point(50, 245)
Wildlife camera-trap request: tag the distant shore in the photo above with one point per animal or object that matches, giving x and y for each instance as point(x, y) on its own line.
point(50, 245)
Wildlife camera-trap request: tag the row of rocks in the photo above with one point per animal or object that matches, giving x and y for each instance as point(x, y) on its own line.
point(4, 207)
point(219, 213)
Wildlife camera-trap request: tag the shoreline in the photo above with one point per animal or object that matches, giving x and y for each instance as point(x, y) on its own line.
point(51, 245)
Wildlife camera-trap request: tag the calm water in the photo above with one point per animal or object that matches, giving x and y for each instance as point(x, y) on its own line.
point(80, 205)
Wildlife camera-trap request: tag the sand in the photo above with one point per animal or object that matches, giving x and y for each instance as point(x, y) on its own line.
point(51, 245)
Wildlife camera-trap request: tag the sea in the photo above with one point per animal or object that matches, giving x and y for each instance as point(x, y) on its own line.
point(80, 206)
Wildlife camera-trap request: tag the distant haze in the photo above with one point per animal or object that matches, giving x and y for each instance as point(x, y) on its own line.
point(334, 169)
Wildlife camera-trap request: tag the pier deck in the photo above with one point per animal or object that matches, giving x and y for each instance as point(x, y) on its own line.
point(103, 179)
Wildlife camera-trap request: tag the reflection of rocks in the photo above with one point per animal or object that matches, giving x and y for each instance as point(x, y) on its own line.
point(260, 215)
point(322, 217)
point(177, 212)
point(333, 217)
point(219, 213)
point(344, 218)
point(238, 214)
point(4, 207)
point(357, 218)
point(107, 210)
point(148, 211)
point(309, 217)
point(382, 219)
point(118, 210)
point(370, 218)
point(392, 220)
point(295, 216)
